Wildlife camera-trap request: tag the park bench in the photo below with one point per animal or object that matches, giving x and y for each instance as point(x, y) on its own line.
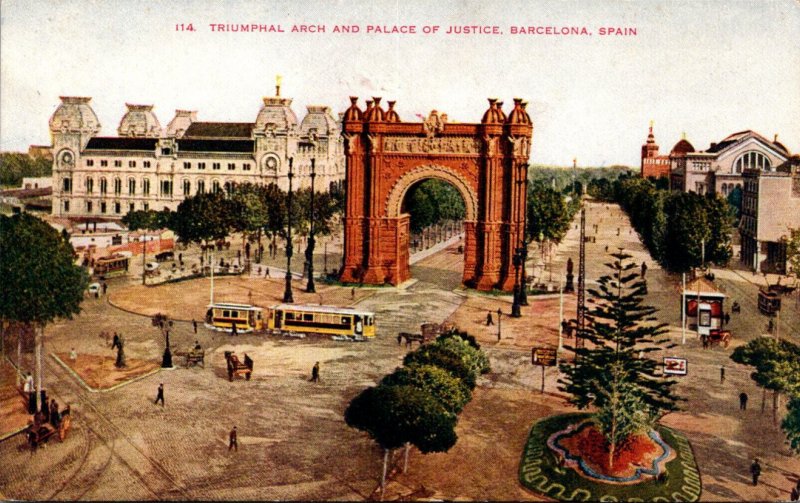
point(238, 368)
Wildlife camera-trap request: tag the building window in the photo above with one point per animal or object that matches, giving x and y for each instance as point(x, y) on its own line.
point(187, 187)
point(201, 186)
point(103, 163)
point(146, 164)
point(130, 207)
point(215, 187)
point(89, 185)
point(103, 186)
point(117, 186)
point(117, 208)
point(146, 186)
point(246, 166)
point(201, 165)
point(228, 187)
point(88, 206)
point(103, 207)
point(131, 164)
point(66, 206)
point(145, 206)
point(166, 151)
point(187, 165)
point(67, 185)
point(752, 160)
point(117, 164)
point(131, 186)
point(215, 165)
point(231, 166)
point(90, 162)
point(166, 188)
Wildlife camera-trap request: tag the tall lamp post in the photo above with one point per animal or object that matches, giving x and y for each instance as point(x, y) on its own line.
point(287, 294)
point(515, 306)
point(523, 283)
point(310, 248)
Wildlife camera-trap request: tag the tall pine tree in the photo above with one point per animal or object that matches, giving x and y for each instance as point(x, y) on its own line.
point(612, 372)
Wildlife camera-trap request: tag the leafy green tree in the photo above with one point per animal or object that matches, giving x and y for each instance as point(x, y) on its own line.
point(791, 423)
point(687, 228)
point(397, 415)
point(611, 371)
point(735, 200)
point(453, 354)
point(441, 384)
point(203, 217)
point(432, 201)
point(143, 219)
point(41, 282)
point(14, 166)
point(721, 215)
point(548, 214)
point(793, 252)
point(776, 366)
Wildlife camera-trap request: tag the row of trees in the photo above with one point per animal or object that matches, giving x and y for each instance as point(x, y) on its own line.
point(679, 229)
point(253, 210)
point(432, 202)
point(549, 212)
point(776, 368)
point(418, 403)
point(14, 166)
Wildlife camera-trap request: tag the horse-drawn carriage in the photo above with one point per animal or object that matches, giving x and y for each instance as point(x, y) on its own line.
point(718, 336)
point(429, 331)
point(193, 357)
point(236, 367)
point(41, 431)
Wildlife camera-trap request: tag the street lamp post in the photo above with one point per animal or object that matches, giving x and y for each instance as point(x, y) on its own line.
point(287, 294)
point(310, 248)
point(523, 286)
point(515, 306)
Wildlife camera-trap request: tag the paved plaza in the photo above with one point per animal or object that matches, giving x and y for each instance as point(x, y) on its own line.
point(293, 442)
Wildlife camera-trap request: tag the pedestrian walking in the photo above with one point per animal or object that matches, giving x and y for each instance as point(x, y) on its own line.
point(742, 401)
point(233, 442)
point(704, 338)
point(352, 293)
point(315, 373)
point(194, 325)
point(116, 341)
point(727, 318)
point(644, 269)
point(755, 471)
point(160, 394)
point(105, 288)
point(73, 355)
point(489, 320)
point(722, 374)
point(233, 329)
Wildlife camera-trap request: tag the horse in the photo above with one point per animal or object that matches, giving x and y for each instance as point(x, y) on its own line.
point(410, 338)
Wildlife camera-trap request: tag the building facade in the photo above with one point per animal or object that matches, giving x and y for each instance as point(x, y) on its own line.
point(770, 207)
point(720, 168)
point(149, 167)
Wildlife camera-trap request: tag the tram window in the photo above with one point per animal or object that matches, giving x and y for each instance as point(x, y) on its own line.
point(345, 320)
point(289, 316)
point(226, 314)
point(234, 314)
point(308, 317)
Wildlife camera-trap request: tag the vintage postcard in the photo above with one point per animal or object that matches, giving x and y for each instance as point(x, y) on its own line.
point(385, 250)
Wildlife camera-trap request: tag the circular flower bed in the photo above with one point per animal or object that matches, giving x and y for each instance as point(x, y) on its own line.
point(659, 465)
point(583, 448)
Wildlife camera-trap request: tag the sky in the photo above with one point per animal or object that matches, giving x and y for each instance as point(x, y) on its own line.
point(703, 68)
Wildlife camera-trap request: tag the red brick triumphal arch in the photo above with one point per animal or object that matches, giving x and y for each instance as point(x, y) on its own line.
point(486, 162)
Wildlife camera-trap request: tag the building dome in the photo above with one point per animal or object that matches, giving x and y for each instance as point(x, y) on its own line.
point(391, 114)
point(353, 113)
point(139, 121)
point(780, 145)
point(493, 115)
point(319, 121)
point(519, 115)
point(375, 113)
point(682, 147)
point(76, 115)
point(181, 122)
point(276, 113)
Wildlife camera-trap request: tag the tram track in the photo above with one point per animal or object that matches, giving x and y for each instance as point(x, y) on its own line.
point(96, 422)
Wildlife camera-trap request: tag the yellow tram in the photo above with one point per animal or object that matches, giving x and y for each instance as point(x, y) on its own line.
point(223, 316)
point(328, 320)
point(114, 265)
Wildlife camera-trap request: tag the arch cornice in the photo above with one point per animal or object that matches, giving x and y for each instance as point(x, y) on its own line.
point(400, 188)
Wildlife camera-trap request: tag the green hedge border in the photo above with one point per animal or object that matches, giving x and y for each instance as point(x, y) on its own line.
point(539, 472)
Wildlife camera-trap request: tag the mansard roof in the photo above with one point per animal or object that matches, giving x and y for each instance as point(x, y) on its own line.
point(219, 130)
point(113, 143)
point(238, 146)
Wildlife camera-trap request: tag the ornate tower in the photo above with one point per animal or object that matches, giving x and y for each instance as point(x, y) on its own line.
point(649, 149)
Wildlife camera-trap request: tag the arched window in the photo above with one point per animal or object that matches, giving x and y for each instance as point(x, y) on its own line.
point(187, 187)
point(201, 186)
point(146, 186)
point(117, 186)
point(103, 186)
point(89, 185)
point(215, 187)
point(228, 187)
point(131, 186)
point(752, 160)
